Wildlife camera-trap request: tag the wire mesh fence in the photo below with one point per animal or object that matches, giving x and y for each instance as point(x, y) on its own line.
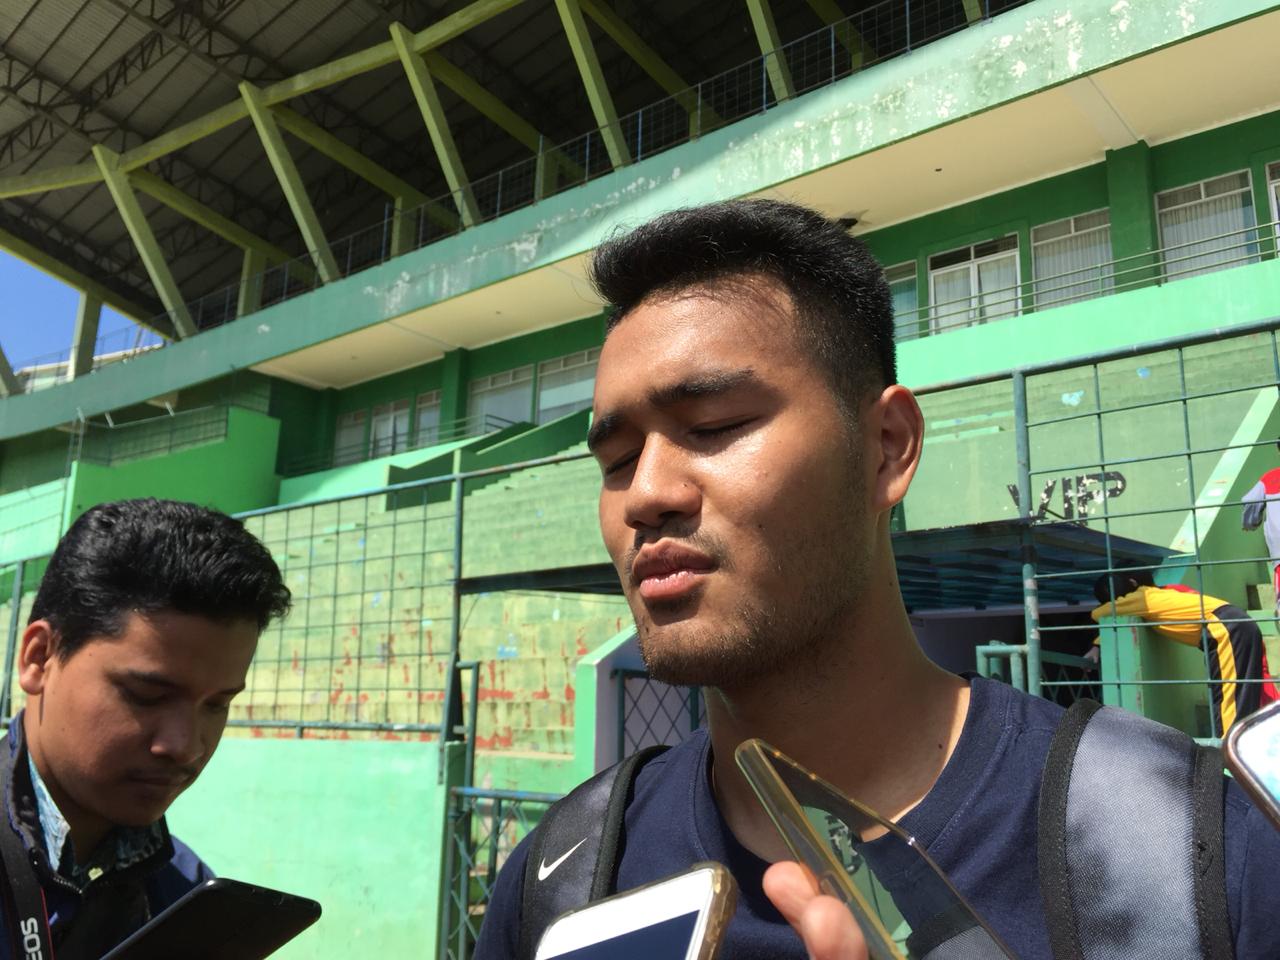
point(651, 712)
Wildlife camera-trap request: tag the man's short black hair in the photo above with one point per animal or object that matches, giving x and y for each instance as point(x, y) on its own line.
point(1111, 586)
point(844, 312)
point(148, 556)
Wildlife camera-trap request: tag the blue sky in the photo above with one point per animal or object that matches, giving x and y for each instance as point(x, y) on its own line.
point(38, 313)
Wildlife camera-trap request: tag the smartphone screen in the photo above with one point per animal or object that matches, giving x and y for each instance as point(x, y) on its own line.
point(666, 938)
point(679, 918)
point(1253, 754)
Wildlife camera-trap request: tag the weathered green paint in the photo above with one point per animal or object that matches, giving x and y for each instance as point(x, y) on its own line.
point(235, 474)
point(357, 825)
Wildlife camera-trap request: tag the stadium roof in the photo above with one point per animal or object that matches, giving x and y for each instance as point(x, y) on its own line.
point(157, 83)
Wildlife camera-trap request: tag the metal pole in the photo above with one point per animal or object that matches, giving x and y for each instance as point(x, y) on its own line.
point(907, 10)
point(1022, 443)
point(698, 124)
point(11, 647)
point(695, 712)
point(1031, 611)
point(451, 690)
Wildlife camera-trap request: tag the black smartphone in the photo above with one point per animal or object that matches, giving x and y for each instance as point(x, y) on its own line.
point(221, 919)
point(1253, 754)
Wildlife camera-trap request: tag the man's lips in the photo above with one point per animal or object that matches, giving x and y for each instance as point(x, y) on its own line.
point(666, 570)
point(170, 781)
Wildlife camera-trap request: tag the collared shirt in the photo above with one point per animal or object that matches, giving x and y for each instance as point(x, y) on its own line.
point(121, 847)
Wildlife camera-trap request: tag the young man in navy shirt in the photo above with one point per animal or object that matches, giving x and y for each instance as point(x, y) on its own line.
point(752, 440)
point(140, 634)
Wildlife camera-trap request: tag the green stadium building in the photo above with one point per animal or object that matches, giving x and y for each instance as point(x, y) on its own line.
point(355, 236)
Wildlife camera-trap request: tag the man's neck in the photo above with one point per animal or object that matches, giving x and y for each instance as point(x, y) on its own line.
point(85, 829)
point(877, 719)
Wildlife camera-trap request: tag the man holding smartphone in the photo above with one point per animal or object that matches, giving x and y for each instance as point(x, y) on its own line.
point(753, 439)
point(140, 635)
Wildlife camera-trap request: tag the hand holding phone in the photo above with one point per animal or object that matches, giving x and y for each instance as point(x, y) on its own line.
point(1252, 751)
point(679, 918)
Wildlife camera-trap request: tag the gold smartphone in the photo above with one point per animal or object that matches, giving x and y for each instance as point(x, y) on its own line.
point(827, 832)
point(683, 917)
point(1252, 751)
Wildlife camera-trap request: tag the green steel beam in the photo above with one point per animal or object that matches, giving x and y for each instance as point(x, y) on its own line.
point(424, 91)
point(249, 297)
point(85, 336)
point(8, 381)
point(497, 111)
point(74, 278)
point(117, 181)
point(76, 175)
point(641, 53)
point(290, 182)
point(847, 35)
point(584, 52)
point(185, 135)
point(771, 49)
point(159, 189)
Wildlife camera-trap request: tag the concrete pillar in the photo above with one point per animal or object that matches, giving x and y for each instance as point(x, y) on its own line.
point(1134, 230)
point(453, 387)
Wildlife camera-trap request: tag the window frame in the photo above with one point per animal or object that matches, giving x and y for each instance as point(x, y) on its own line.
point(973, 262)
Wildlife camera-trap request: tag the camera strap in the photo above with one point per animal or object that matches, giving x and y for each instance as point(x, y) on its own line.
point(30, 930)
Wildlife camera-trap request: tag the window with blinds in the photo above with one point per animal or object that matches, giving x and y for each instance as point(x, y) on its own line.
point(348, 439)
point(501, 399)
point(1207, 226)
point(902, 287)
point(426, 419)
point(565, 384)
point(1071, 259)
point(1273, 190)
point(973, 284)
point(389, 429)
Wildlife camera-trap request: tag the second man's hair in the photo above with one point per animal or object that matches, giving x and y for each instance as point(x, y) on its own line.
point(844, 312)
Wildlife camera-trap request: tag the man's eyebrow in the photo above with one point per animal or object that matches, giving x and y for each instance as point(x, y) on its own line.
point(160, 680)
point(694, 388)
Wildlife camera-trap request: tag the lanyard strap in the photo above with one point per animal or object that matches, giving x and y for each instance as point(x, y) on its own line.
point(31, 931)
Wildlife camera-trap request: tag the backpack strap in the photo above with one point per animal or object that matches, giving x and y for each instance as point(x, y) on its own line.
point(1130, 841)
point(573, 857)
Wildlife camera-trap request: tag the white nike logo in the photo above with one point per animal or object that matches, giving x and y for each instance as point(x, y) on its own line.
point(545, 870)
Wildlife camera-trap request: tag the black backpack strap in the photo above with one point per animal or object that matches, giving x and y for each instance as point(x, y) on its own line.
point(573, 857)
point(1130, 841)
point(25, 905)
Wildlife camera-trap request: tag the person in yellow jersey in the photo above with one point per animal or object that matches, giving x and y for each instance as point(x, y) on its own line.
point(1237, 657)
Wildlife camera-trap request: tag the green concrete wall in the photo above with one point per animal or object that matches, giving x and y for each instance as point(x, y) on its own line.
point(31, 520)
point(893, 101)
point(235, 474)
point(358, 826)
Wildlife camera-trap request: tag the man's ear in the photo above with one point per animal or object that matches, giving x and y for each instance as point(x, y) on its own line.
point(36, 655)
point(901, 438)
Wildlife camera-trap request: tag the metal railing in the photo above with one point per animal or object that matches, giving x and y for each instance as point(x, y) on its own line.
point(106, 444)
point(1064, 678)
point(484, 827)
point(878, 33)
point(1156, 267)
point(476, 425)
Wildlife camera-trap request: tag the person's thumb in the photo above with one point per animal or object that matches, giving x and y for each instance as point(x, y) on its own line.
point(823, 922)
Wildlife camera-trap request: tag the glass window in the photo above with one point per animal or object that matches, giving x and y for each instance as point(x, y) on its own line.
point(427, 419)
point(1273, 189)
point(565, 384)
point(348, 441)
point(1207, 226)
point(1069, 258)
point(973, 284)
point(902, 287)
point(390, 429)
point(501, 399)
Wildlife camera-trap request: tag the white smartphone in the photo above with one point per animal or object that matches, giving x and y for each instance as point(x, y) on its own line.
point(679, 918)
point(1253, 754)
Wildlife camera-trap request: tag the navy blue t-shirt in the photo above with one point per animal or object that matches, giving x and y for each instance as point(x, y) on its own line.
point(978, 823)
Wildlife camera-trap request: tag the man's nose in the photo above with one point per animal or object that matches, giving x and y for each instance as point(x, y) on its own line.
point(662, 487)
point(179, 738)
